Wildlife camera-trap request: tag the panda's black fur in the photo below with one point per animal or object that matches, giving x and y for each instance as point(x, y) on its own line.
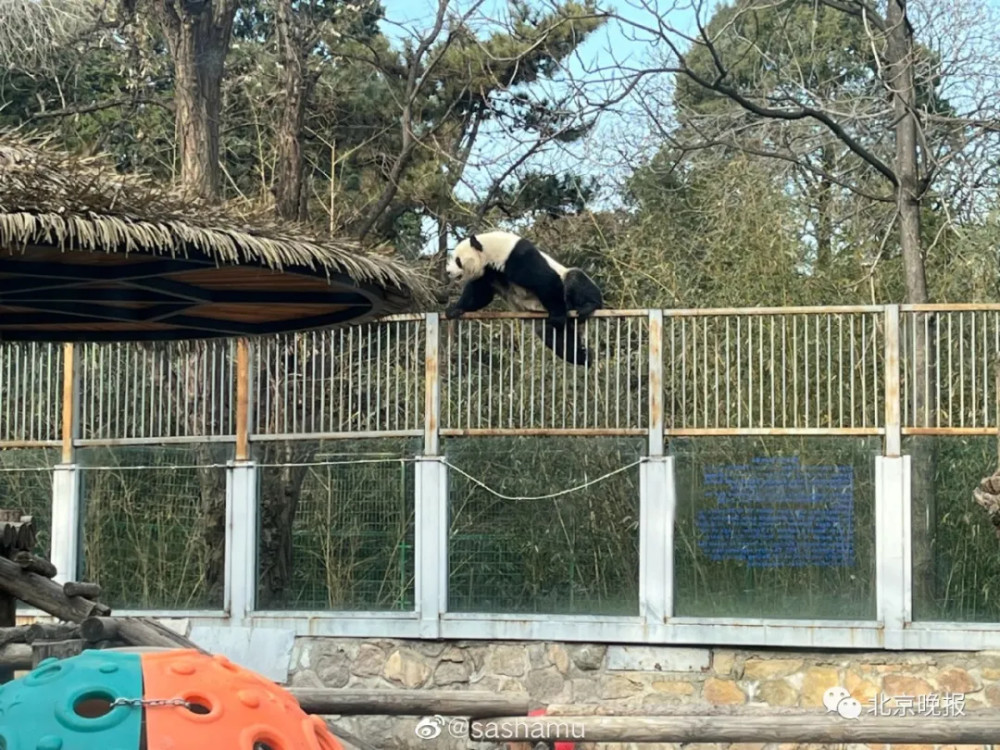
point(530, 280)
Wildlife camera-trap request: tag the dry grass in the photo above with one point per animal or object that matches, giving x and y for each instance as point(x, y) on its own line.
point(82, 203)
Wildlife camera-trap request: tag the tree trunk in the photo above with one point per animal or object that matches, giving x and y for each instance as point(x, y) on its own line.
point(901, 79)
point(824, 219)
point(279, 502)
point(297, 89)
point(900, 63)
point(198, 36)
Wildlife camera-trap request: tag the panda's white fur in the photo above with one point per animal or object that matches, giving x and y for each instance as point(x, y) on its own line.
point(530, 280)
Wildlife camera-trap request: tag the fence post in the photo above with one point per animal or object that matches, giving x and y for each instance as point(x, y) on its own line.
point(892, 502)
point(65, 533)
point(893, 428)
point(241, 502)
point(431, 499)
point(656, 497)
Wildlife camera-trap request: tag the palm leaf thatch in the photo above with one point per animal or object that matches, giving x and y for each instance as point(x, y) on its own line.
point(70, 203)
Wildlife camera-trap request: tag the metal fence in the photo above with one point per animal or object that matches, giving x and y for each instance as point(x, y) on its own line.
point(720, 372)
point(418, 467)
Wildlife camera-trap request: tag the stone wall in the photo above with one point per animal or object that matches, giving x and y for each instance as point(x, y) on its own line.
point(589, 678)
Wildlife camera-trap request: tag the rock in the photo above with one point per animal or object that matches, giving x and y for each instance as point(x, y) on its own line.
point(507, 660)
point(585, 690)
point(673, 687)
point(956, 680)
point(587, 657)
point(768, 669)
point(723, 663)
point(370, 661)
point(537, 655)
point(453, 653)
point(899, 685)
point(406, 668)
point(431, 649)
point(722, 692)
point(619, 687)
point(778, 693)
point(544, 685)
point(815, 682)
point(990, 673)
point(863, 690)
point(451, 673)
point(559, 657)
point(993, 695)
point(334, 668)
point(306, 678)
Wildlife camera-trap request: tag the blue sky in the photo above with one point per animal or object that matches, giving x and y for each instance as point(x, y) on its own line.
point(601, 154)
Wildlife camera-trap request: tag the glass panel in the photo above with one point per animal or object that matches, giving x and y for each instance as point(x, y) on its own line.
point(336, 524)
point(956, 565)
point(780, 527)
point(154, 524)
point(26, 486)
point(573, 554)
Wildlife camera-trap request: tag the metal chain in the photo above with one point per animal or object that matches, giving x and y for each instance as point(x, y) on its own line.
point(150, 702)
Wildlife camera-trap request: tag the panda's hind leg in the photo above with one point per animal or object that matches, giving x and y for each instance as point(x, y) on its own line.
point(582, 294)
point(527, 268)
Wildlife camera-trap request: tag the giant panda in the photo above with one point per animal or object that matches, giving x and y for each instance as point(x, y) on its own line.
point(530, 280)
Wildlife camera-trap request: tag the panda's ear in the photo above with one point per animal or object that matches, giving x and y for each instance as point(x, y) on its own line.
point(476, 243)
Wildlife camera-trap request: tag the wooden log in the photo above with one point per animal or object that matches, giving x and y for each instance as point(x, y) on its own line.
point(8, 620)
point(17, 532)
point(35, 564)
point(86, 590)
point(972, 728)
point(42, 650)
point(134, 631)
point(16, 634)
point(347, 701)
point(44, 594)
point(46, 631)
point(15, 657)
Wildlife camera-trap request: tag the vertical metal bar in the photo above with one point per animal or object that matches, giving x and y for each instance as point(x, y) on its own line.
point(961, 369)
point(891, 377)
point(432, 386)
point(655, 383)
point(70, 402)
point(242, 400)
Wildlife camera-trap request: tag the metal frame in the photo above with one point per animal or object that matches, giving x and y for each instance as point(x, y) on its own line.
point(653, 622)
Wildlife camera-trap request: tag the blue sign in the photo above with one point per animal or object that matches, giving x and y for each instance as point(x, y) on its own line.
point(775, 512)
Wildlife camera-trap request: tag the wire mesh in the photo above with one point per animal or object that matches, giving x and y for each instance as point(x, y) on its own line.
point(26, 486)
point(153, 525)
point(574, 554)
point(356, 379)
point(337, 525)
point(739, 372)
point(775, 527)
point(498, 375)
point(948, 369)
point(956, 570)
point(180, 389)
point(30, 392)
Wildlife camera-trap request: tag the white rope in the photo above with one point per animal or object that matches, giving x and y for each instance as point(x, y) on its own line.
point(543, 497)
point(397, 459)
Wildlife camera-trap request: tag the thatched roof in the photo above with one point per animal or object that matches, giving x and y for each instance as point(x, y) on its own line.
point(55, 205)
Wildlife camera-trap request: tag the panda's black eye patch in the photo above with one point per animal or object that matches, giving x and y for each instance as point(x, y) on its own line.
point(458, 262)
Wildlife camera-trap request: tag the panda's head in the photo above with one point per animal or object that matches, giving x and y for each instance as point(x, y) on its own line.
point(467, 261)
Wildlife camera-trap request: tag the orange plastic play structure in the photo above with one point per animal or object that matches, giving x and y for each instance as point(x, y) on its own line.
point(225, 707)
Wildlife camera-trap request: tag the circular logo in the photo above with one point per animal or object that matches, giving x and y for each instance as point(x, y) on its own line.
point(429, 727)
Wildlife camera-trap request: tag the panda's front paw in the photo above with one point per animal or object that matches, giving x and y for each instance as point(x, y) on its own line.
point(453, 311)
